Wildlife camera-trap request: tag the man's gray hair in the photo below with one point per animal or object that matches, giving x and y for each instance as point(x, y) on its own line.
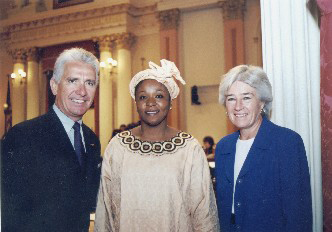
point(74, 55)
point(253, 76)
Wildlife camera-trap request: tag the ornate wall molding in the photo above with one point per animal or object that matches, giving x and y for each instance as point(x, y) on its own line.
point(18, 55)
point(233, 9)
point(105, 42)
point(125, 40)
point(116, 9)
point(33, 54)
point(169, 19)
point(67, 28)
point(101, 19)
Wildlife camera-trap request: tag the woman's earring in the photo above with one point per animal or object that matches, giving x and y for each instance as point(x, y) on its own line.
point(226, 113)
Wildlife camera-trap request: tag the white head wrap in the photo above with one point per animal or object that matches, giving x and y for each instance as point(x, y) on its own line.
point(164, 74)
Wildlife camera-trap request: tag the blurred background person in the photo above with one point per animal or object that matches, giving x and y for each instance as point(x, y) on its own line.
point(154, 177)
point(262, 172)
point(209, 149)
point(208, 146)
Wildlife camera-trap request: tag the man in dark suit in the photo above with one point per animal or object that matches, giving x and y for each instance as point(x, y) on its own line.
point(51, 164)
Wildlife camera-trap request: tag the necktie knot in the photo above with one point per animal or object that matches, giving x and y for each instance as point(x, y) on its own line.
point(77, 127)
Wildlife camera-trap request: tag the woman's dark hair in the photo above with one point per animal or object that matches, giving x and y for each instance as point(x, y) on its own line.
point(209, 139)
point(115, 132)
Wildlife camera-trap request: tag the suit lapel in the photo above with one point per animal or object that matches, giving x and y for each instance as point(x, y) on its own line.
point(60, 139)
point(90, 147)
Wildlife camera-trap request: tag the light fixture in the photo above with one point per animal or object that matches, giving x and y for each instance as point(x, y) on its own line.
point(21, 74)
point(102, 64)
point(110, 61)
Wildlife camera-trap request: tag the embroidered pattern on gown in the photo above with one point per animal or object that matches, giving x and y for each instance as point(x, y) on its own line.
point(155, 186)
point(153, 148)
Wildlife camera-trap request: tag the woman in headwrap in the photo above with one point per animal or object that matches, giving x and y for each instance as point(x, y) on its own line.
point(154, 177)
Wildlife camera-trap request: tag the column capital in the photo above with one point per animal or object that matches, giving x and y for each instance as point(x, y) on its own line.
point(233, 9)
point(105, 42)
point(18, 55)
point(125, 40)
point(33, 53)
point(169, 19)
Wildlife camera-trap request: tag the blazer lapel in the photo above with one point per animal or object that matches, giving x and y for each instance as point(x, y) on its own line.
point(229, 156)
point(252, 160)
point(260, 144)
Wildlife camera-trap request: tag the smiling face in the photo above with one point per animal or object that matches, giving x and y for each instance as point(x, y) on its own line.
point(76, 89)
point(244, 107)
point(153, 102)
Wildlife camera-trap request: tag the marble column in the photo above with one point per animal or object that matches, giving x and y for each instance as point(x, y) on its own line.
point(326, 108)
point(124, 101)
point(233, 13)
point(169, 49)
point(18, 87)
point(106, 117)
point(32, 83)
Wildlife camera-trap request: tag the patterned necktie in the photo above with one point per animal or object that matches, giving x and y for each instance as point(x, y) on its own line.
point(78, 144)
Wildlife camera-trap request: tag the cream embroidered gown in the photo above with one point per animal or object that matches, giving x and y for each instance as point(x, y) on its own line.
point(155, 186)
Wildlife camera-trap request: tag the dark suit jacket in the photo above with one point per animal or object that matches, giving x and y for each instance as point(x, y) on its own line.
point(273, 187)
point(43, 186)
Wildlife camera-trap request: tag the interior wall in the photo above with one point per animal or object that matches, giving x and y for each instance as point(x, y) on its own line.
point(89, 119)
point(252, 33)
point(202, 52)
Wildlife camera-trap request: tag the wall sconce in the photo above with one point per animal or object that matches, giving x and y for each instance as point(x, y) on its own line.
point(110, 63)
point(21, 74)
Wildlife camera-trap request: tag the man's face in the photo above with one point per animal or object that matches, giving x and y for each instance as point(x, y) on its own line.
point(75, 92)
